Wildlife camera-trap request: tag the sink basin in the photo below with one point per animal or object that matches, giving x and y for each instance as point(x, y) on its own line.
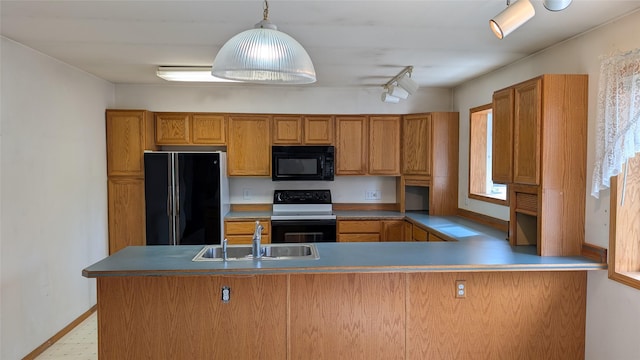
point(269, 252)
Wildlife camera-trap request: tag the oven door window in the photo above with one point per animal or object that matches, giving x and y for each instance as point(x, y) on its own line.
point(302, 231)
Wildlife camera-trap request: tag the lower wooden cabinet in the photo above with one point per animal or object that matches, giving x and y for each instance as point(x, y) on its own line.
point(358, 230)
point(504, 315)
point(241, 232)
point(184, 317)
point(127, 226)
point(421, 234)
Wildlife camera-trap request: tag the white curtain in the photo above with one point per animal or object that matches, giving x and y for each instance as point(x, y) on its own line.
point(618, 136)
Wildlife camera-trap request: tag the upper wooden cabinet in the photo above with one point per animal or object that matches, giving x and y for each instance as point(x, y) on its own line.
point(190, 129)
point(318, 130)
point(384, 145)
point(352, 135)
point(368, 145)
point(129, 133)
point(302, 130)
point(502, 136)
point(416, 144)
point(430, 159)
point(549, 140)
point(249, 145)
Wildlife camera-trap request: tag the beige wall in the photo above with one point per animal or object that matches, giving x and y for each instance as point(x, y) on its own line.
point(613, 310)
point(53, 194)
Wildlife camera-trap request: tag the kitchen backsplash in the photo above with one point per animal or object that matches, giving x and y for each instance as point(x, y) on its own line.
point(344, 189)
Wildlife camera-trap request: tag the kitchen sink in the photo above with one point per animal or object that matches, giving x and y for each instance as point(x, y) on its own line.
point(269, 252)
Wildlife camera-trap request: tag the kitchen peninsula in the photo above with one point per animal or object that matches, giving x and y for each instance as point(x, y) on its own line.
point(386, 300)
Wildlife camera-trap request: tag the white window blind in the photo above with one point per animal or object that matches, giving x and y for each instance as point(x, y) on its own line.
point(618, 117)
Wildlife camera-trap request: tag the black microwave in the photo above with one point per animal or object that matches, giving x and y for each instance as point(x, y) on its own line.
point(302, 163)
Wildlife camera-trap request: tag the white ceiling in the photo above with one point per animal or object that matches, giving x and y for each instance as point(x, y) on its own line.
point(352, 43)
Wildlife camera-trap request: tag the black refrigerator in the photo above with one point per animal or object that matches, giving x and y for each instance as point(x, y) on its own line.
point(186, 197)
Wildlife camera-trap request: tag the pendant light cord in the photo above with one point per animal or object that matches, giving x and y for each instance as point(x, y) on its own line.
point(265, 14)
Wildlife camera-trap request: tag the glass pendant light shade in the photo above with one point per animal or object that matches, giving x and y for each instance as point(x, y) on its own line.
point(556, 5)
point(264, 55)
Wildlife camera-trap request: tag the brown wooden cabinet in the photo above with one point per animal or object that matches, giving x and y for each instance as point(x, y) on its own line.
point(549, 124)
point(352, 135)
point(359, 230)
point(190, 129)
point(394, 230)
point(302, 130)
point(184, 317)
point(128, 133)
point(249, 145)
point(126, 212)
point(241, 231)
point(430, 160)
point(318, 129)
point(384, 145)
point(502, 136)
point(368, 145)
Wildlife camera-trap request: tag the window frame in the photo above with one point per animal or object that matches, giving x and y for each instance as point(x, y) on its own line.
point(622, 228)
point(471, 195)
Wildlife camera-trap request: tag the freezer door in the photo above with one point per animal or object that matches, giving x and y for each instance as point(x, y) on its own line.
point(158, 198)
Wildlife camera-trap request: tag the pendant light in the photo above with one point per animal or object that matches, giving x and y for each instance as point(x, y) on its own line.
point(264, 55)
point(512, 18)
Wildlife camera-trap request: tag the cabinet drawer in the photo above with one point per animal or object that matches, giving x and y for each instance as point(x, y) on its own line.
point(358, 237)
point(353, 226)
point(420, 234)
point(245, 227)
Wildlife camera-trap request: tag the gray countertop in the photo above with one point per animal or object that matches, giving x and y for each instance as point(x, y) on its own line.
point(478, 248)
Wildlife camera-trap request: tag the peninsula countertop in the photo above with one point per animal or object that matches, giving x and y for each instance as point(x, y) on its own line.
point(477, 248)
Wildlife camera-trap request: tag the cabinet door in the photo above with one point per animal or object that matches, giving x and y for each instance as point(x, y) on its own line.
point(502, 137)
point(184, 317)
point(351, 145)
point(172, 129)
point(347, 316)
point(416, 145)
point(318, 130)
point(287, 130)
point(384, 145)
point(125, 143)
point(393, 230)
point(208, 129)
point(526, 130)
point(420, 234)
point(126, 213)
point(249, 145)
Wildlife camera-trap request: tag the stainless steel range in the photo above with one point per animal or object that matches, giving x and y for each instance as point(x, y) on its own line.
point(301, 216)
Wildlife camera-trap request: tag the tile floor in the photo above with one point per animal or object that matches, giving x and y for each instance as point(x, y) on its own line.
point(81, 343)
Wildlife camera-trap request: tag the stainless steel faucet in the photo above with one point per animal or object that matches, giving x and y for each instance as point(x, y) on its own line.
point(224, 249)
point(256, 248)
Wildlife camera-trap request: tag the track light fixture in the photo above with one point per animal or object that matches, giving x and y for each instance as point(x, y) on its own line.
point(556, 5)
point(399, 87)
point(512, 17)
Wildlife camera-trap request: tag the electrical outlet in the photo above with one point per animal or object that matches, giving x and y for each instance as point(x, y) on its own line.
point(372, 195)
point(461, 289)
point(246, 194)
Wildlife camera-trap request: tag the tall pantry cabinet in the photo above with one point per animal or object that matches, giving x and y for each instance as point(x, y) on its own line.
point(129, 133)
point(539, 150)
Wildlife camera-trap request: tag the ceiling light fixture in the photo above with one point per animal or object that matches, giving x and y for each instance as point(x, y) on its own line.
point(188, 73)
point(264, 55)
point(556, 5)
point(404, 86)
point(512, 17)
